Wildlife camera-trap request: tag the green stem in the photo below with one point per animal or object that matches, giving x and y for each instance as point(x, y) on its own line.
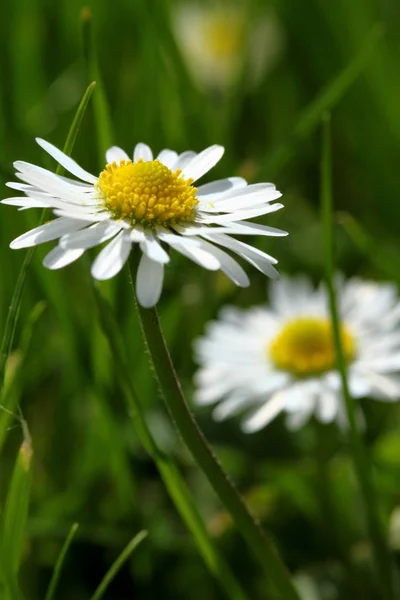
point(261, 545)
point(382, 556)
point(174, 483)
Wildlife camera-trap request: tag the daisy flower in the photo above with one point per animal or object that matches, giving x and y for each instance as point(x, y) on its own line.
point(282, 358)
point(218, 39)
point(151, 202)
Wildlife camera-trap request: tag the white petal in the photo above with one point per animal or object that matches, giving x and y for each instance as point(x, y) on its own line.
point(170, 238)
point(257, 258)
point(248, 228)
point(142, 151)
point(242, 214)
point(153, 250)
point(266, 413)
point(149, 280)
point(47, 232)
point(89, 237)
point(228, 265)
point(60, 257)
point(116, 154)
point(203, 162)
point(66, 162)
point(184, 159)
point(231, 406)
point(220, 186)
point(25, 202)
point(74, 213)
point(112, 258)
point(52, 184)
point(199, 256)
point(168, 157)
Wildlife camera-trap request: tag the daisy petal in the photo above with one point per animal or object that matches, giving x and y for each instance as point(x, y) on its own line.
point(25, 202)
point(91, 236)
point(116, 154)
point(220, 186)
point(66, 162)
point(112, 258)
point(184, 159)
point(203, 162)
point(153, 250)
point(149, 281)
point(142, 151)
point(197, 254)
point(168, 157)
point(228, 265)
point(265, 414)
point(46, 233)
point(60, 257)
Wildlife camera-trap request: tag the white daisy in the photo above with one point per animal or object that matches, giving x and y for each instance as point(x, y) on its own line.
point(217, 39)
point(151, 202)
point(282, 358)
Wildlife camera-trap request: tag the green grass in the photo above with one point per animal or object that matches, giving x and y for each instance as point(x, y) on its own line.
point(89, 465)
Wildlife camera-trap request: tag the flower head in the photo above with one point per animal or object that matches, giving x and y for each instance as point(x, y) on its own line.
point(282, 358)
point(217, 39)
point(148, 201)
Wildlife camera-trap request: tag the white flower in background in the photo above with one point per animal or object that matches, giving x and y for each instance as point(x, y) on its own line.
point(151, 202)
point(282, 359)
point(218, 39)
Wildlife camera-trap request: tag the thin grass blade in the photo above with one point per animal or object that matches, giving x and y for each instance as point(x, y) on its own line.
point(310, 118)
point(15, 515)
point(60, 561)
point(117, 565)
point(12, 315)
point(382, 558)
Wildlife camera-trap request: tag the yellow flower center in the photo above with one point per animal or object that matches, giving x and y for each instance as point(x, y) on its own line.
point(305, 347)
point(224, 35)
point(147, 193)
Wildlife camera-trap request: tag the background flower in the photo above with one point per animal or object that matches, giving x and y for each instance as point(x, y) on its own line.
point(282, 359)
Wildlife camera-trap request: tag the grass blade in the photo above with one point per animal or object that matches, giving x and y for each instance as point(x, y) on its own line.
point(102, 117)
point(116, 566)
point(362, 467)
point(12, 315)
point(311, 117)
point(12, 388)
point(385, 259)
point(59, 564)
point(15, 515)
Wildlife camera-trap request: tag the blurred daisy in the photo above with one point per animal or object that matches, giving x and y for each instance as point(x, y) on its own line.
point(282, 358)
point(218, 39)
point(151, 202)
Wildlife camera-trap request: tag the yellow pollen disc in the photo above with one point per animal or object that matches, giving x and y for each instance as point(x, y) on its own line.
point(224, 34)
point(305, 347)
point(147, 193)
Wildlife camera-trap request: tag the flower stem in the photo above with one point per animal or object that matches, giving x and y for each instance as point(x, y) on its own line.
point(260, 544)
point(362, 467)
point(169, 472)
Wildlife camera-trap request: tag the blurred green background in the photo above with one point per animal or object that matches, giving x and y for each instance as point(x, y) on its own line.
point(256, 77)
